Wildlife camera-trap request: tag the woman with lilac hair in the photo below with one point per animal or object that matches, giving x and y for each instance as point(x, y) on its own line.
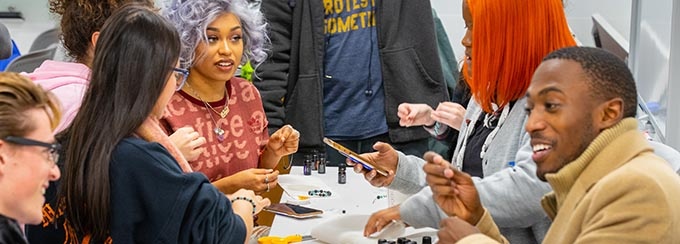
point(192, 18)
point(217, 120)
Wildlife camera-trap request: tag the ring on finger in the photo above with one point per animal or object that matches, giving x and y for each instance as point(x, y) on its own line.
point(266, 179)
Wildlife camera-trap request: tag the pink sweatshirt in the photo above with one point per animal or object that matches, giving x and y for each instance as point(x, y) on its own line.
point(68, 82)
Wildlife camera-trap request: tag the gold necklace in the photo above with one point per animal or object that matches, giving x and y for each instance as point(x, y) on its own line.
point(225, 109)
point(217, 130)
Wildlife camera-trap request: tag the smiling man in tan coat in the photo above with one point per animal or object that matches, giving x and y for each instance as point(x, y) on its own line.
point(608, 186)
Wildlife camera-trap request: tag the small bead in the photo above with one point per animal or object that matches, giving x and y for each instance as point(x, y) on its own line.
point(320, 193)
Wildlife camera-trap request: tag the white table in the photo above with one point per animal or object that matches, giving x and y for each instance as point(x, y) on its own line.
point(355, 197)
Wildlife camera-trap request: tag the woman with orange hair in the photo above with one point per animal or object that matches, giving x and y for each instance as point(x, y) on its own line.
point(510, 40)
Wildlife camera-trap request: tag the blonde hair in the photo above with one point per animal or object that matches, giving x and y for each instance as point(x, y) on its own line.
point(510, 38)
point(18, 94)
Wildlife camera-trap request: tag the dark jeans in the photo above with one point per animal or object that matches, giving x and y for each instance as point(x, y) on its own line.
point(418, 148)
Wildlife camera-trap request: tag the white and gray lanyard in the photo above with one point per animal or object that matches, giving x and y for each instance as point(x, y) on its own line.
point(470, 128)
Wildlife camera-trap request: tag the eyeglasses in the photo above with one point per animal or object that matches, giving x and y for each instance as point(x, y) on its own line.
point(52, 148)
point(180, 77)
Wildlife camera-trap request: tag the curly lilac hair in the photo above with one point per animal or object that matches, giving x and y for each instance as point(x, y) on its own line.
point(191, 18)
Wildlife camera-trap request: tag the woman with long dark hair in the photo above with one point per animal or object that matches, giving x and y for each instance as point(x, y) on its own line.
point(117, 185)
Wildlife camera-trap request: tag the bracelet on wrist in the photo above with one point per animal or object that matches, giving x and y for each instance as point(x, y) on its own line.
point(430, 126)
point(437, 128)
point(434, 129)
point(245, 199)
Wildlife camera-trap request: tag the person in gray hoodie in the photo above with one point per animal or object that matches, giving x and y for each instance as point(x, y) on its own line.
point(492, 145)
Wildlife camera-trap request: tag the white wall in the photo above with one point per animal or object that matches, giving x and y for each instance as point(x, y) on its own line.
point(617, 12)
point(36, 20)
point(449, 11)
point(651, 53)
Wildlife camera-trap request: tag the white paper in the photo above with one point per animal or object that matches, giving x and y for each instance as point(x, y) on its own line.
point(349, 229)
point(297, 185)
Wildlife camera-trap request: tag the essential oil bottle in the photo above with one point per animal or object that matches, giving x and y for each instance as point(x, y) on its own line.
point(342, 174)
point(307, 165)
point(322, 164)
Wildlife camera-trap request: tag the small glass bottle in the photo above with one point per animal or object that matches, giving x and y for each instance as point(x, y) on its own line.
point(307, 165)
point(322, 164)
point(342, 174)
point(315, 159)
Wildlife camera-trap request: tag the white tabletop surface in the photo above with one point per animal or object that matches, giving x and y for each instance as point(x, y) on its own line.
point(355, 197)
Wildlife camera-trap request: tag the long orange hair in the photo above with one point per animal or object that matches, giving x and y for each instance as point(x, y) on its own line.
point(509, 40)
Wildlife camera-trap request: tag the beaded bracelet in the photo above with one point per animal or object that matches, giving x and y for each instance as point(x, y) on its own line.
point(320, 193)
point(245, 199)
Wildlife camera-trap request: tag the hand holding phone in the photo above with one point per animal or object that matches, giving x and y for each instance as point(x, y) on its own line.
point(355, 157)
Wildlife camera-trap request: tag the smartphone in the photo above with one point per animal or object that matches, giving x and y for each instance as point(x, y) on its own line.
point(292, 210)
point(354, 156)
